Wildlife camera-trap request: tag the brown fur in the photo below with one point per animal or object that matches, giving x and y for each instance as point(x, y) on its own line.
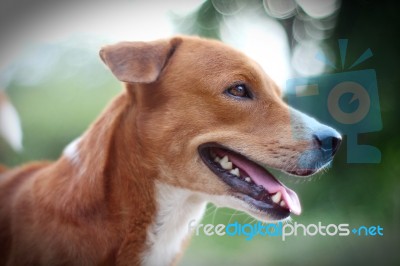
point(96, 211)
point(3, 168)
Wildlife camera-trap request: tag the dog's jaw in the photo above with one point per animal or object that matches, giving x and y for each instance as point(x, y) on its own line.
point(176, 208)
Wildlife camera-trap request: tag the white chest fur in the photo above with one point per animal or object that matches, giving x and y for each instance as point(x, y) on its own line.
point(176, 208)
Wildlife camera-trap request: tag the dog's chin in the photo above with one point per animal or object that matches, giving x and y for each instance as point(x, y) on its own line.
point(252, 188)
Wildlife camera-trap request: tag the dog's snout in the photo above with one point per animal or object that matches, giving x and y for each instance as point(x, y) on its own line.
point(328, 141)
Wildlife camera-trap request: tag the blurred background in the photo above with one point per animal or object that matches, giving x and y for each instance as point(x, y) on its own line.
point(56, 86)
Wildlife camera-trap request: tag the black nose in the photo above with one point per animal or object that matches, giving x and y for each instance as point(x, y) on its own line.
point(328, 141)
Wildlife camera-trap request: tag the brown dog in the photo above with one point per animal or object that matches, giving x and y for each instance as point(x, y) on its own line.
point(198, 121)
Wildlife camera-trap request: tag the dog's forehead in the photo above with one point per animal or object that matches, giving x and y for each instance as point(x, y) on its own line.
point(214, 57)
point(217, 63)
point(207, 48)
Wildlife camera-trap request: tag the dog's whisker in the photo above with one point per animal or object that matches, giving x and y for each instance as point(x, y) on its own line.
point(214, 214)
point(231, 217)
point(211, 208)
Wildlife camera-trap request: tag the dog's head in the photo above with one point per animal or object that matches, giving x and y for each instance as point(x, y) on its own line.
point(213, 122)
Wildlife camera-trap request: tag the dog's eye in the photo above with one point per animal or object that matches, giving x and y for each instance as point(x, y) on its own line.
point(239, 90)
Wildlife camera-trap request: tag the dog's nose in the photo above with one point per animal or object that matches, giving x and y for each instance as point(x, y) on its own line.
point(328, 141)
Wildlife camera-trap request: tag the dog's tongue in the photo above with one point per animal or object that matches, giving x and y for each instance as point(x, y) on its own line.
point(261, 176)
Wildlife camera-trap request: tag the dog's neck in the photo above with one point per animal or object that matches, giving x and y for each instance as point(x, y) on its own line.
point(177, 208)
point(108, 159)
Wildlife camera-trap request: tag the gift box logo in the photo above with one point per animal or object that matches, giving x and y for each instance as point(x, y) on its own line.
point(347, 101)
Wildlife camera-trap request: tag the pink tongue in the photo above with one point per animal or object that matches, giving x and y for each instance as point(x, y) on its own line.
point(260, 176)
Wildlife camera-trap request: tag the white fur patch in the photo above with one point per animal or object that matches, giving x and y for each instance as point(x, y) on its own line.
point(72, 151)
point(10, 125)
point(176, 208)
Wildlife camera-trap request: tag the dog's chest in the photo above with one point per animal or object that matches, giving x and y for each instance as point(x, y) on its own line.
point(176, 207)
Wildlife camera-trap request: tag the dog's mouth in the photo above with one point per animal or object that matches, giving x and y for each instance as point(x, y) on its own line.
point(251, 182)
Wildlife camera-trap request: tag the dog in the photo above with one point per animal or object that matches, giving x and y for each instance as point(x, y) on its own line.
point(197, 122)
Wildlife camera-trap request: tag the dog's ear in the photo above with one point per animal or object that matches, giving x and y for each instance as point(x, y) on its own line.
point(138, 61)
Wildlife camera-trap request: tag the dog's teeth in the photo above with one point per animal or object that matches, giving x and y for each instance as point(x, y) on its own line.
point(247, 179)
point(217, 159)
point(225, 159)
point(277, 197)
point(283, 204)
point(226, 165)
point(235, 172)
